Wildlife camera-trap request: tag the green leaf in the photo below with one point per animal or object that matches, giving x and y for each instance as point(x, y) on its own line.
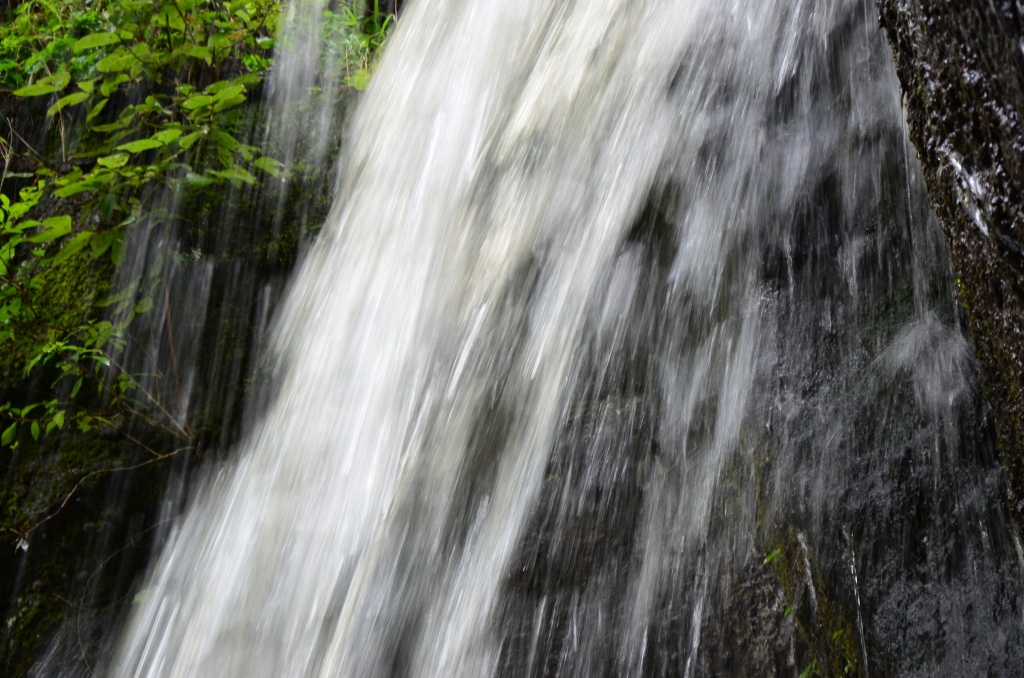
point(140, 145)
point(69, 100)
point(35, 430)
point(87, 85)
point(168, 18)
point(811, 670)
point(219, 40)
point(73, 175)
point(73, 246)
point(197, 101)
point(200, 52)
point(772, 556)
point(120, 60)
point(145, 305)
point(189, 139)
point(255, 62)
point(224, 140)
point(236, 175)
point(95, 110)
point(113, 161)
point(117, 251)
point(9, 433)
point(228, 92)
point(225, 104)
point(10, 309)
point(75, 188)
point(112, 127)
point(197, 180)
point(101, 242)
point(48, 85)
point(56, 227)
point(167, 136)
point(74, 389)
point(270, 166)
point(58, 419)
point(95, 40)
point(92, 181)
point(103, 331)
point(107, 205)
point(110, 85)
point(159, 139)
point(114, 298)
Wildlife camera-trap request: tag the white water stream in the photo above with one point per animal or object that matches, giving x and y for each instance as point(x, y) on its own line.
point(542, 201)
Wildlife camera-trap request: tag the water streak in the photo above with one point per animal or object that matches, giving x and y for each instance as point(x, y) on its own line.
point(615, 296)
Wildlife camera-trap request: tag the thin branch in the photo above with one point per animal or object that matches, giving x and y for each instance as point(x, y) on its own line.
point(184, 21)
point(41, 160)
point(152, 399)
point(88, 585)
point(7, 151)
point(160, 457)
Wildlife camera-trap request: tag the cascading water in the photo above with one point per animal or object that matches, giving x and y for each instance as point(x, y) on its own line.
point(617, 298)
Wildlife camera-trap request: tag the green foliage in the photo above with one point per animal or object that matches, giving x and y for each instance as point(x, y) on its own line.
point(144, 96)
point(811, 670)
point(182, 63)
point(117, 117)
point(353, 39)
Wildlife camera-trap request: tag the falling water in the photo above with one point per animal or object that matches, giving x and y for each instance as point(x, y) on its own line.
point(626, 310)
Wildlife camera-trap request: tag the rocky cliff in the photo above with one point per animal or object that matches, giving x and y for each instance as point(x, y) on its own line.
point(961, 67)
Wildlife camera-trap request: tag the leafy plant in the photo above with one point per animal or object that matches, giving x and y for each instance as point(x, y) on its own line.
point(353, 38)
point(184, 65)
point(142, 96)
point(810, 670)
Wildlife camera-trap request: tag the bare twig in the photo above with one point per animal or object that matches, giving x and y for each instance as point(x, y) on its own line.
point(88, 585)
point(67, 498)
point(184, 432)
point(7, 152)
point(40, 159)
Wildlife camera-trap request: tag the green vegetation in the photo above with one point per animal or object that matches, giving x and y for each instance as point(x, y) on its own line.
point(141, 101)
point(185, 65)
point(122, 118)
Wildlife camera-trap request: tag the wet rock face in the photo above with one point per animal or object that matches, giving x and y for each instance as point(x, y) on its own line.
point(961, 68)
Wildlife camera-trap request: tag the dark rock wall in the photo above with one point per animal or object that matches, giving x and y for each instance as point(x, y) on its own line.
point(228, 253)
point(961, 68)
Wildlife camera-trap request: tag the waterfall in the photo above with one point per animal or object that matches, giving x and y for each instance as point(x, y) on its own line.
point(624, 309)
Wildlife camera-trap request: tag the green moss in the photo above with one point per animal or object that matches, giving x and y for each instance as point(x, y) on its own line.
point(822, 623)
point(64, 298)
point(34, 616)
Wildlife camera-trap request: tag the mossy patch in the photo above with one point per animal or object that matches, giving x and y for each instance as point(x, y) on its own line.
point(65, 298)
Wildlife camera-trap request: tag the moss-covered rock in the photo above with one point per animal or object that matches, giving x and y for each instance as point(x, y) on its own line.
point(961, 68)
point(66, 296)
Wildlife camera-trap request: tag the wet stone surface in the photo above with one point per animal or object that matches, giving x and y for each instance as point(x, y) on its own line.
point(961, 68)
